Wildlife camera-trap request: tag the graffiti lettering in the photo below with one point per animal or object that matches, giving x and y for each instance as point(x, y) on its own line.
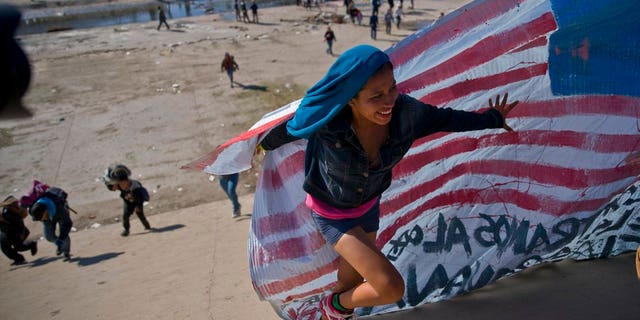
point(413, 236)
point(439, 286)
point(494, 231)
point(500, 232)
point(447, 237)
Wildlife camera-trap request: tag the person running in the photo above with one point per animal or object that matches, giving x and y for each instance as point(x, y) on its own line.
point(358, 127)
point(133, 195)
point(13, 232)
point(329, 37)
point(230, 66)
point(52, 210)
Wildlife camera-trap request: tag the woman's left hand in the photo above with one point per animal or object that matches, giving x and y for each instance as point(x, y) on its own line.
point(503, 108)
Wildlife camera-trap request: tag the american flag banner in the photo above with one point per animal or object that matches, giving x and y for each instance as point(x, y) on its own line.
point(466, 209)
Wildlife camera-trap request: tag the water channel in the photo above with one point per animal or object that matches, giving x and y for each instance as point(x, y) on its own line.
point(65, 18)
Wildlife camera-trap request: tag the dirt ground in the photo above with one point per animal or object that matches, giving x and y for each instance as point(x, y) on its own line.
point(156, 100)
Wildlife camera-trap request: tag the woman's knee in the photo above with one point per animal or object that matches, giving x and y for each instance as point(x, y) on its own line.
point(391, 286)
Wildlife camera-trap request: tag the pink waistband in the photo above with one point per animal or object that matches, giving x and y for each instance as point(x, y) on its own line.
point(329, 212)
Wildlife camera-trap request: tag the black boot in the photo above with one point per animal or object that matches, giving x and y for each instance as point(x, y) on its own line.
point(19, 261)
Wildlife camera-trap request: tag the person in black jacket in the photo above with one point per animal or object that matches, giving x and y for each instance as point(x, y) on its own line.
point(132, 193)
point(162, 18)
point(13, 232)
point(330, 38)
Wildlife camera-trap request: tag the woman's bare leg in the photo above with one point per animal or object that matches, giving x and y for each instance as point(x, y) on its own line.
point(348, 277)
point(384, 283)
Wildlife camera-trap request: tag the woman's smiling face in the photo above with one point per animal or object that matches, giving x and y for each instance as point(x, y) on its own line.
point(374, 103)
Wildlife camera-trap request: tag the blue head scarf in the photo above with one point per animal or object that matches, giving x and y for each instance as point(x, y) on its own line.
point(342, 82)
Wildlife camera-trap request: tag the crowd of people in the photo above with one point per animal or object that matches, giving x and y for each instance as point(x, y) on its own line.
point(242, 14)
point(49, 205)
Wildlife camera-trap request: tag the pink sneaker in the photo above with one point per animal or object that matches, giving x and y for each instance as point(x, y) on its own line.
point(331, 313)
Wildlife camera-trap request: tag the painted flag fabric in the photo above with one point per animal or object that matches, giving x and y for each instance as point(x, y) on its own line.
point(466, 209)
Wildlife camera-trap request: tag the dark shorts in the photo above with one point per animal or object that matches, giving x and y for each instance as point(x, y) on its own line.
point(332, 230)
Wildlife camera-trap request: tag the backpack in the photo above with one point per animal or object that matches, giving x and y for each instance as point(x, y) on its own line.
point(58, 196)
point(143, 191)
point(59, 199)
point(145, 194)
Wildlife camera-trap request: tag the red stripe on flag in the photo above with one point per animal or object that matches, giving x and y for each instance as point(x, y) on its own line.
point(287, 168)
point(467, 87)
point(538, 42)
point(290, 248)
point(279, 286)
point(527, 173)
point(579, 105)
point(460, 22)
point(485, 50)
point(280, 222)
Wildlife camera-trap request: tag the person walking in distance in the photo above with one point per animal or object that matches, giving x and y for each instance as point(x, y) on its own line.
point(236, 7)
point(162, 18)
point(229, 65)
point(373, 23)
point(245, 15)
point(388, 20)
point(399, 14)
point(254, 11)
point(329, 37)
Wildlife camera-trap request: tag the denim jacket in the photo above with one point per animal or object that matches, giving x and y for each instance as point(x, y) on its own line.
point(337, 170)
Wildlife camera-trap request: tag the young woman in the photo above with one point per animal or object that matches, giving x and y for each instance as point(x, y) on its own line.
point(358, 128)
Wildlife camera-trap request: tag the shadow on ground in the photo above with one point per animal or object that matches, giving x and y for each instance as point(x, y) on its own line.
point(168, 228)
point(250, 86)
point(87, 261)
